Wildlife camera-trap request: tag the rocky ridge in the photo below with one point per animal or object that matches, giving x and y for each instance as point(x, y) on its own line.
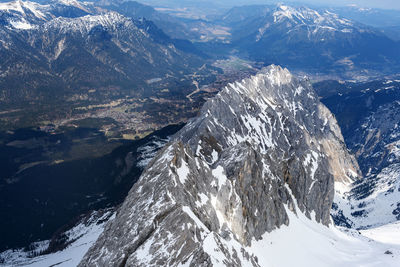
point(261, 149)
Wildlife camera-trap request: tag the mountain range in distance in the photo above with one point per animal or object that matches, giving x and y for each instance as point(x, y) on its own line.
point(79, 77)
point(72, 56)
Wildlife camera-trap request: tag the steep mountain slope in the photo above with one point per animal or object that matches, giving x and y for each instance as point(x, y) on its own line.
point(65, 52)
point(369, 116)
point(318, 42)
point(122, 50)
point(261, 151)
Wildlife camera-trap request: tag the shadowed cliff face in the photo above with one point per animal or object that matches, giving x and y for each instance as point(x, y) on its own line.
point(369, 115)
point(258, 150)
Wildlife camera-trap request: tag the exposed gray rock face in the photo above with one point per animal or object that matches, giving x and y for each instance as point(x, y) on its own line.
point(259, 148)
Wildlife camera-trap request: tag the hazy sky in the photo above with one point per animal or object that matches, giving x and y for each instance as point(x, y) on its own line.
point(385, 4)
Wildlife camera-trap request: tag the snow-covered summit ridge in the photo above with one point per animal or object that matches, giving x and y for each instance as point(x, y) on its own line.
point(305, 15)
point(258, 110)
point(109, 20)
point(317, 23)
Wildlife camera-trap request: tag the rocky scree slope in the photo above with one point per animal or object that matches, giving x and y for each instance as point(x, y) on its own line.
point(261, 149)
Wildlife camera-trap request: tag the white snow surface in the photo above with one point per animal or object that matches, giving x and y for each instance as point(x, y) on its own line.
point(22, 25)
point(220, 175)
point(389, 233)
point(307, 243)
point(85, 236)
point(183, 172)
point(303, 242)
point(378, 206)
point(24, 14)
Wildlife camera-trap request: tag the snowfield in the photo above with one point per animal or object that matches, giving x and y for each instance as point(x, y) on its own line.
point(303, 243)
point(387, 234)
point(307, 243)
point(85, 236)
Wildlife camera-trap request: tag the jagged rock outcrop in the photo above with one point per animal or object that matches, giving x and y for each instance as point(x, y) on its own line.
point(258, 150)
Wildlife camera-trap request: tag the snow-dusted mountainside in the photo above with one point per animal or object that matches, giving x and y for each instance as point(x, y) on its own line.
point(63, 51)
point(25, 15)
point(312, 41)
point(375, 200)
point(320, 246)
point(315, 22)
point(22, 14)
point(77, 241)
point(263, 150)
point(371, 202)
point(369, 115)
point(318, 25)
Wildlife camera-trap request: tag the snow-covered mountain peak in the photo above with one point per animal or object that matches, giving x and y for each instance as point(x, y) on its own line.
point(262, 149)
point(68, 2)
point(310, 17)
point(257, 110)
point(264, 83)
point(304, 22)
point(287, 12)
point(276, 75)
point(23, 15)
